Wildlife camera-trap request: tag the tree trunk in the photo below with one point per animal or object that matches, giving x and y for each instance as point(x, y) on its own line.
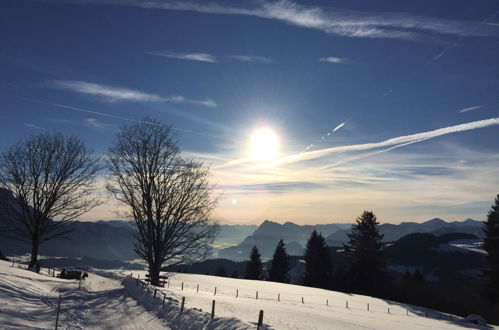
point(34, 254)
point(154, 271)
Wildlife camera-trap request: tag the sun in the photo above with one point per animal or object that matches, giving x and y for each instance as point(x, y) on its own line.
point(264, 144)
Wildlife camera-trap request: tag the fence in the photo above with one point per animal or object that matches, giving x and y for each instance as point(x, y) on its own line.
point(330, 303)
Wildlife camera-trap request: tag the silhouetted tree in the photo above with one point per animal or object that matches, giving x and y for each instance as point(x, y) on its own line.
point(254, 265)
point(318, 267)
point(235, 274)
point(491, 245)
point(279, 267)
point(364, 252)
point(50, 179)
point(168, 196)
point(221, 271)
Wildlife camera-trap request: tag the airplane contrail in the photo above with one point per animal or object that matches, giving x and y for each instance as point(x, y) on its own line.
point(397, 141)
point(338, 127)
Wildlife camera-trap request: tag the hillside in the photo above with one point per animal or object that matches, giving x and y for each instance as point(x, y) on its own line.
point(319, 309)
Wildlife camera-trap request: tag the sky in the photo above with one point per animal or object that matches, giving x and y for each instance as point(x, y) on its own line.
point(305, 111)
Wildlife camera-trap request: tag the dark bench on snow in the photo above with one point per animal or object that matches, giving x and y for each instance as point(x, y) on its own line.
point(162, 279)
point(72, 274)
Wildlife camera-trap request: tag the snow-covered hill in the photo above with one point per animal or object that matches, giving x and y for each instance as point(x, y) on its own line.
point(319, 309)
point(116, 300)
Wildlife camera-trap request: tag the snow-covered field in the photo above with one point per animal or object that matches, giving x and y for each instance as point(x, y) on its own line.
point(115, 300)
point(320, 309)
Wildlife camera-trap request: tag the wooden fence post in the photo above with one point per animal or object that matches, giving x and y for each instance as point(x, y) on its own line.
point(346, 305)
point(213, 309)
point(197, 289)
point(260, 319)
point(302, 301)
point(57, 315)
point(168, 284)
point(257, 295)
point(215, 293)
point(278, 297)
point(368, 306)
point(182, 306)
point(327, 302)
point(407, 312)
point(388, 310)
point(237, 293)
point(155, 290)
point(182, 286)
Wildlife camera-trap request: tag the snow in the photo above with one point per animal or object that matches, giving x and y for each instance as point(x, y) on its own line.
point(290, 312)
point(114, 299)
point(29, 301)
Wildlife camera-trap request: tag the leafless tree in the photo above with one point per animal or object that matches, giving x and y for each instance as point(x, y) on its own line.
point(47, 182)
point(168, 196)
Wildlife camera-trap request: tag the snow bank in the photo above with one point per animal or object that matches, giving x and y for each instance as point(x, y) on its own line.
point(189, 318)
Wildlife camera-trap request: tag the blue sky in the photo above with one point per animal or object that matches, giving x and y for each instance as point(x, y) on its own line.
point(218, 71)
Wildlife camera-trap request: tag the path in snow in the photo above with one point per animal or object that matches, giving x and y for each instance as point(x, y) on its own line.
point(29, 300)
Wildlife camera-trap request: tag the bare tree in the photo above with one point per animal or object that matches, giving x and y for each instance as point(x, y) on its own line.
point(51, 179)
point(168, 196)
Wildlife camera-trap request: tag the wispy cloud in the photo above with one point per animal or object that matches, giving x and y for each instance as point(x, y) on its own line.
point(32, 126)
point(252, 59)
point(332, 59)
point(200, 57)
point(333, 21)
point(470, 108)
point(116, 94)
point(97, 124)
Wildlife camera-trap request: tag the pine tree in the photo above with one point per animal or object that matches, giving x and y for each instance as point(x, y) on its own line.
point(364, 251)
point(254, 265)
point(318, 267)
point(491, 245)
point(221, 271)
point(235, 274)
point(279, 267)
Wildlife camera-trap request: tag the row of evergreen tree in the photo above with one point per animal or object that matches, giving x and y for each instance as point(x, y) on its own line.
point(364, 253)
point(365, 271)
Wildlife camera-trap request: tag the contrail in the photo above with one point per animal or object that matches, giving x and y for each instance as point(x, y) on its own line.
point(397, 141)
point(338, 127)
point(103, 114)
point(470, 108)
point(458, 41)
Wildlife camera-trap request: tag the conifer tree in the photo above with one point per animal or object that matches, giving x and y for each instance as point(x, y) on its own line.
point(254, 265)
point(279, 267)
point(491, 245)
point(364, 251)
point(235, 274)
point(318, 267)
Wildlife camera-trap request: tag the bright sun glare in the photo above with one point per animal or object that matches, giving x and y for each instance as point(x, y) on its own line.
point(264, 144)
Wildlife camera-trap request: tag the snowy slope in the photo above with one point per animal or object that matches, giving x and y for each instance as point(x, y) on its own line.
point(29, 300)
point(290, 312)
point(115, 300)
